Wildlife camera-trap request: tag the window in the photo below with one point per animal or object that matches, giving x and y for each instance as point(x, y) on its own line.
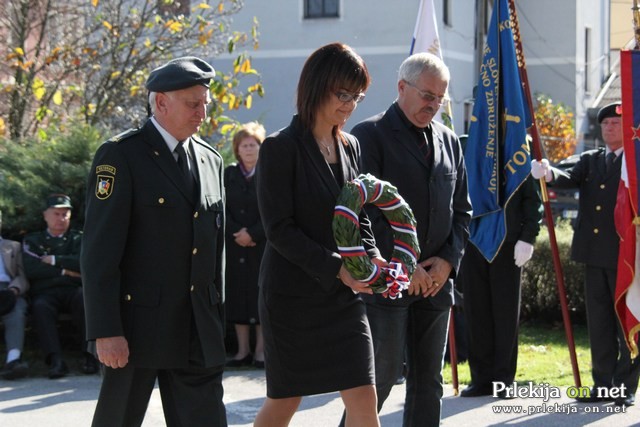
point(446, 12)
point(321, 9)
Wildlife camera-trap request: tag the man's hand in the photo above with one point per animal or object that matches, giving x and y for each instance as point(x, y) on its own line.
point(113, 351)
point(48, 259)
point(522, 252)
point(540, 169)
point(70, 273)
point(243, 238)
point(439, 270)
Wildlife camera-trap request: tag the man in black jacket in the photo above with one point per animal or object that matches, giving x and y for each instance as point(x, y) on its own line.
point(152, 259)
point(596, 243)
point(424, 160)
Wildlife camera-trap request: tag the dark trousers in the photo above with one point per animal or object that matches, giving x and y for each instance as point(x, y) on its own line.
point(422, 330)
point(492, 311)
point(610, 360)
point(46, 306)
point(191, 397)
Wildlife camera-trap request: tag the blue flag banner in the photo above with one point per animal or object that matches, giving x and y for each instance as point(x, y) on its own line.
point(497, 153)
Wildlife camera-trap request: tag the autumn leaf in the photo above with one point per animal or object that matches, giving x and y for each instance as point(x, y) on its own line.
point(94, 3)
point(57, 98)
point(107, 25)
point(38, 89)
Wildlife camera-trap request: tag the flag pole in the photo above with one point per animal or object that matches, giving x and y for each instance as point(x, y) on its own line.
point(562, 294)
point(453, 355)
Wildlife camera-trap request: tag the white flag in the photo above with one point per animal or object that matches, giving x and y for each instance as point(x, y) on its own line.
point(425, 39)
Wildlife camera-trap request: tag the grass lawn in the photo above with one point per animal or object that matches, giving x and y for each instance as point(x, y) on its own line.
point(543, 357)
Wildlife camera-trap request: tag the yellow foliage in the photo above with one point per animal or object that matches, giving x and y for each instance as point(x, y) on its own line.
point(174, 26)
point(107, 25)
point(203, 6)
point(147, 43)
point(94, 3)
point(248, 101)
point(19, 51)
point(134, 90)
point(38, 88)
point(556, 128)
point(57, 98)
point(3, 127)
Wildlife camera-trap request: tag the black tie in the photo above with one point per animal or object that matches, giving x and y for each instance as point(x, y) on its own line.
point(184, 168)
point(423, 145)
point(611, 157)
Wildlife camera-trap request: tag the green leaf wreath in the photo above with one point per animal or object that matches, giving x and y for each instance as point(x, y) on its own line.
point(388, 281)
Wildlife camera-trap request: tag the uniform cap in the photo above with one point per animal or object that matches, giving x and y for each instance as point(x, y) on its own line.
point(58, 201)
point(611, 110)
point(180, 73)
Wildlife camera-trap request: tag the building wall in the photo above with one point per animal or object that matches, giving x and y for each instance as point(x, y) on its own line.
point(381, 31)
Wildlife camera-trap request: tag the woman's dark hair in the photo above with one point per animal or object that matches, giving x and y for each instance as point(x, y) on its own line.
point(328, 69)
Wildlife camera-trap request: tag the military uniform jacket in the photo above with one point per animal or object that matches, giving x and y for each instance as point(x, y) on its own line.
point(595, 240)
point(65, 248)
point(437, 195)
point(152, 257)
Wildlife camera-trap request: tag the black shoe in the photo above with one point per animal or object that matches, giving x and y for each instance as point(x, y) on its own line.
point(258, 364)
point(474, 390)
point(245, 361)
point(58, 368)
point(594, 396)
point(14, 370)
point(90, 365)
point(630, 400)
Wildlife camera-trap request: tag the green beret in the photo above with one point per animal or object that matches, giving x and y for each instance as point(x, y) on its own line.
point(180, 73)
point(611, 110)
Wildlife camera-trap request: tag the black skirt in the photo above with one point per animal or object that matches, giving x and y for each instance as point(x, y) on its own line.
point(315, 345)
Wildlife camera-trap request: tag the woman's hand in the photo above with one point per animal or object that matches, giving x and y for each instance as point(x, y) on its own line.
point(355, 285)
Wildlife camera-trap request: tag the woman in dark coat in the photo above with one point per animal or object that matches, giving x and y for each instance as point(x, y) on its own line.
point(317, 337)
point(244, 244)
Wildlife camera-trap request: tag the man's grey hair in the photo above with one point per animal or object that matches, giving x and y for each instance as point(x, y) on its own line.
point(152, 102)
point(418, 63)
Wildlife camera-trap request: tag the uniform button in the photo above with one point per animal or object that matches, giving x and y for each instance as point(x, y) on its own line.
point(195, 215)
point(127, 297)
point(596, 231)
point(161, 200)
point(598, 208)
point(602, 186)
point(195, 251)
point(241, 260)
point(192, 288)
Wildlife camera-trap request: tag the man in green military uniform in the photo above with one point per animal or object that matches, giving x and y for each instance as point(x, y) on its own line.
point(152, 259)
point(52, 265)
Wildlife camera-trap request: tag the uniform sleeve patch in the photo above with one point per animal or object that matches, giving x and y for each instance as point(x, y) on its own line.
point(105, 169)
point(104, 186)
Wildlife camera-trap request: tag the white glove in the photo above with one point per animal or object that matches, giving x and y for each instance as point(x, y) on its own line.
point(540, 169)
point(522, 252)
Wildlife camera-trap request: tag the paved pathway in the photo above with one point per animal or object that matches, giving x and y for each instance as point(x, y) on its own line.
point(69, 402)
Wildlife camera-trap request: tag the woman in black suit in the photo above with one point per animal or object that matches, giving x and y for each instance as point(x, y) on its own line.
point(316, 333)
point(244, 244)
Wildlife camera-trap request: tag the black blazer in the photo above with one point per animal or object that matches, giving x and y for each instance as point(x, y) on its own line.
point(437, 194)
point(152, 258)
point(297, 195)
point(595, 240)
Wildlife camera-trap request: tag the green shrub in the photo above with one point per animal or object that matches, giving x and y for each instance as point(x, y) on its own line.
point(539, 285)
point(33, 168)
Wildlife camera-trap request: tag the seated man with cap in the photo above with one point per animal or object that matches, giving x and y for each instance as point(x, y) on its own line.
point(52, 265)
point(595, 244)
point(13, 306)
point(152, 259)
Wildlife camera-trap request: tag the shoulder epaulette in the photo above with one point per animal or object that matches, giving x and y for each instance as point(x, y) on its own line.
point(124, 135)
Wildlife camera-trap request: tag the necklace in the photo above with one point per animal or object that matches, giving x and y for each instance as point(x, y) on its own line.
point(326, 147)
